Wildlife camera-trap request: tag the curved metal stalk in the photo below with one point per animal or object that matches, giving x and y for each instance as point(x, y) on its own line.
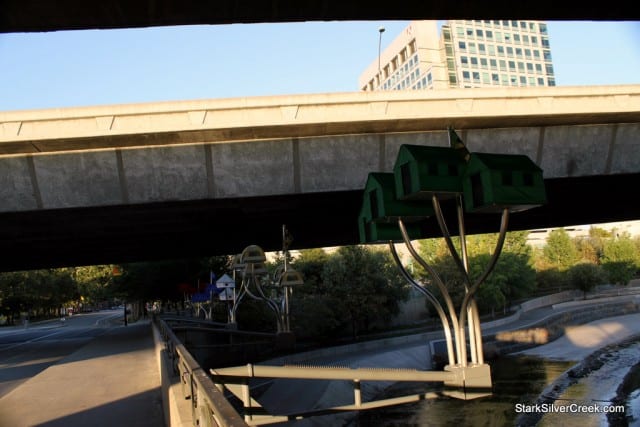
point(463, 268)
point(272, 304)
point(475, 339)
point(492, 263)
point(447, 236)
point(432, 299)
point(441, 286)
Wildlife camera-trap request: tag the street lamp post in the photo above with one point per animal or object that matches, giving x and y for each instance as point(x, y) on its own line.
point(380, 30)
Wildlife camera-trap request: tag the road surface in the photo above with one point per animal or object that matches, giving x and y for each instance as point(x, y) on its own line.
point(25, 352)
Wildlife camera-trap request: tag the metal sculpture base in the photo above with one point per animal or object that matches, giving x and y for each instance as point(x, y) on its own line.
point(469, 382)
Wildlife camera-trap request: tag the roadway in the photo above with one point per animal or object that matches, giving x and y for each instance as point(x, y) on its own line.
point(25, 352)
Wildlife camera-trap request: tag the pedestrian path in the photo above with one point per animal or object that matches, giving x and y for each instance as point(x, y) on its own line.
point(113, 380)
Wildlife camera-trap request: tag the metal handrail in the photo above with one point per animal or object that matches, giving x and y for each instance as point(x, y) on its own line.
point(209, 406)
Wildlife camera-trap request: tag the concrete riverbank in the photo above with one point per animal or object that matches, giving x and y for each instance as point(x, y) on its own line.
point(284, 396)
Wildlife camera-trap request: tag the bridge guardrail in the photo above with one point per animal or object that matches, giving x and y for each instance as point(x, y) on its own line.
point(209, 407)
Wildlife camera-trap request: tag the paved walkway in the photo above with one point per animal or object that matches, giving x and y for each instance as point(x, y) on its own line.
point(113, 380)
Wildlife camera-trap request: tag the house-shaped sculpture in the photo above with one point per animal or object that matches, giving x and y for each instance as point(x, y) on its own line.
point(421, 171)
point(493, 182)
point(384, 206)
point(381, 209)
point(383, 232)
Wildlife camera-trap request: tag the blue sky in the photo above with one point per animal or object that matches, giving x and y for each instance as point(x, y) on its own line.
point(79, 68)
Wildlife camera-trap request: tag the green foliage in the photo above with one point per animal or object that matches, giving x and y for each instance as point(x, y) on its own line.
point(620, 259)
point(552, 279)
point(585, 276)
point(354, 287)
point(512, 278)
point(591, 248)
point(36, 292)
point(560, 251)
point(363, 285)
point(93, 282)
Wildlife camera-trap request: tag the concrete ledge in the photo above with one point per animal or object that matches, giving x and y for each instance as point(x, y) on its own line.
point(177, 410)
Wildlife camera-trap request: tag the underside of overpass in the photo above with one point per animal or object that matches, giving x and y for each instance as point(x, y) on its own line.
point(38, 15)
point(114, 234)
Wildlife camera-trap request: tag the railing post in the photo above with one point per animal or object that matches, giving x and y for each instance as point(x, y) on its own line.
point(246, 400)
point(357, 393)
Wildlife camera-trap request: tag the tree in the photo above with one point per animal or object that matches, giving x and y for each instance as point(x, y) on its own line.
point(512, 278)
point(35, 292)
point(364, 285)
point(585, 276)
point(560, 251)
point(94, 282)
point(620, 259)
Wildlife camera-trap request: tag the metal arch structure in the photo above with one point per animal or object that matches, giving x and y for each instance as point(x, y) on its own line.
point(253, 277)
point(38, 15)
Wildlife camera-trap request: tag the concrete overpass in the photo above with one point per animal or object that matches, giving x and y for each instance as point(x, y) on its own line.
point(131, 182)
point(38, 15)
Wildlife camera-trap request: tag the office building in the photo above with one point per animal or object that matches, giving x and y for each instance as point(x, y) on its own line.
point(463, 54)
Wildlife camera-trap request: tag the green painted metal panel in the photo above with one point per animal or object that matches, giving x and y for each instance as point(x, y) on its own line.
point(382, 204)
point(492, 182)
point(381, 232)
point(422, 171)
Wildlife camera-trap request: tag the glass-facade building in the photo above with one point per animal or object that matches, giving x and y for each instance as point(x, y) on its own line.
point(463, 54)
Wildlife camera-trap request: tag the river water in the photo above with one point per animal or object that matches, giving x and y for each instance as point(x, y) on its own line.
point(521, 380)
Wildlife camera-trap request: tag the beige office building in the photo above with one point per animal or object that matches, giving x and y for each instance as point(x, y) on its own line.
point(463, 54)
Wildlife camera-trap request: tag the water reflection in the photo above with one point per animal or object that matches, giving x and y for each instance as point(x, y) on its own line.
point(516, 379)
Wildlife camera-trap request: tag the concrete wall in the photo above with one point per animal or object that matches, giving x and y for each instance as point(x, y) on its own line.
point(268, 146)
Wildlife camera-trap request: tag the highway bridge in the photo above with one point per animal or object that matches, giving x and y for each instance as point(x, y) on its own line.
point(37, 15)
point(176, 179)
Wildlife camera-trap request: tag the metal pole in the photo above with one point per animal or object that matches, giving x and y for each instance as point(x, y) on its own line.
point(432, 299)
point(492, 263)
point(441, 286)
point(380, 30)
point(474, 340)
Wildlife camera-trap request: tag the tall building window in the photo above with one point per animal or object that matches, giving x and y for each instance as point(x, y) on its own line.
point(462, 45)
